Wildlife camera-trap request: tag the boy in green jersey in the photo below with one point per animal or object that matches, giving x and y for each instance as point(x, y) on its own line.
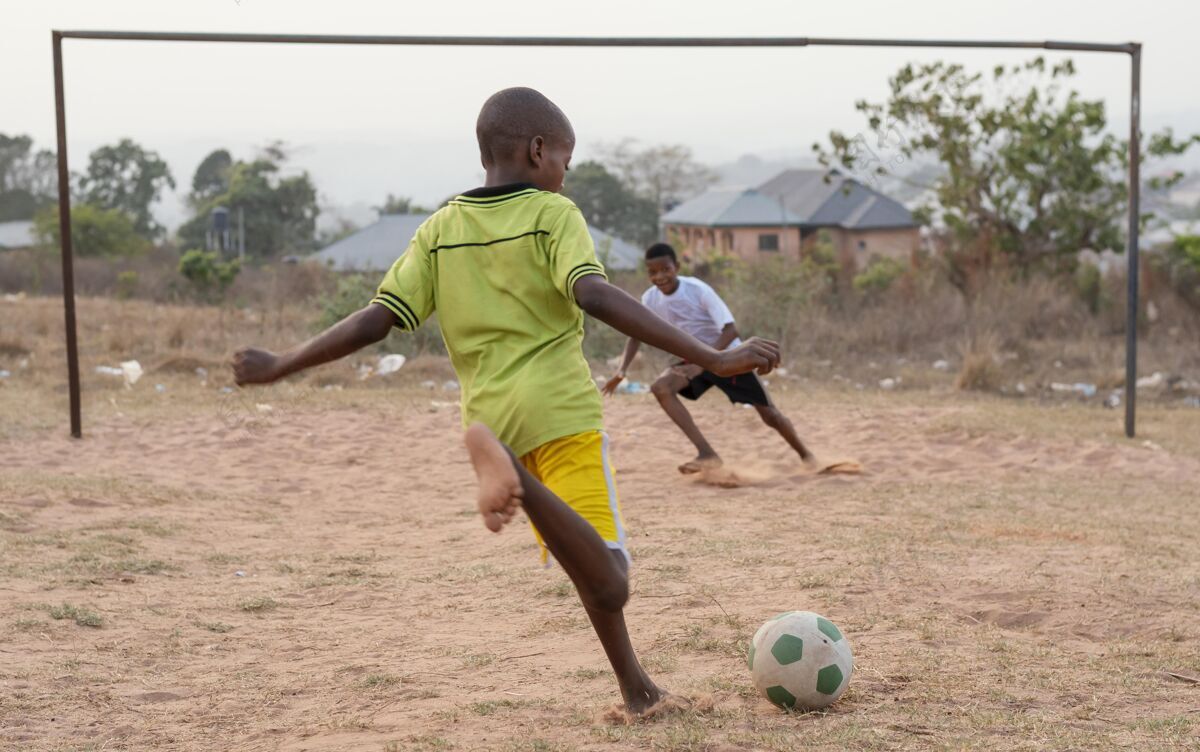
point(510, 270)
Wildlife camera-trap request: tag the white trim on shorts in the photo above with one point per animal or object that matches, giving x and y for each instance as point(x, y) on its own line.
point(619, 543)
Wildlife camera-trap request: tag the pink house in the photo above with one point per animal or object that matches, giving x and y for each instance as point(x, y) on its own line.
point(787, 214)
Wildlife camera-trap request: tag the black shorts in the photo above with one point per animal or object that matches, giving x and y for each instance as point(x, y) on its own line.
point(745, 388)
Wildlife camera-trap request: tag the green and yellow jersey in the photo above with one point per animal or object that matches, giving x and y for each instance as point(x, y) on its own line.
point(498, 266)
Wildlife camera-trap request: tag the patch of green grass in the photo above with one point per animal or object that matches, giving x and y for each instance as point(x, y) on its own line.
point(378, 681)
point(81, 615)
point(488, 707)
point(479, 660)
point(258, 604)
point(28, 625)
point(219, 627)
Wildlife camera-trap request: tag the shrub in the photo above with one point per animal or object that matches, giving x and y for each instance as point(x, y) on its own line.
point(878, 276)
point(127, 284)
point(209, 276)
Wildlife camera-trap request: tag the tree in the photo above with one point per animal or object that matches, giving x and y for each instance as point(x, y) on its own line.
point(212, 176)
point(94, 231)
point(1029, 176)
point(607, 204)
point(28, 180)
point(280, 212)
point(665, 174)
point(127, 177)
point(400, 205)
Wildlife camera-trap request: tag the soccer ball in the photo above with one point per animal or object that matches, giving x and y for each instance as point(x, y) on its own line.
point(800, 660)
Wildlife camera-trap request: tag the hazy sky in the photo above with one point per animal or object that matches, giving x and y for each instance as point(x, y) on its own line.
point(367, 121)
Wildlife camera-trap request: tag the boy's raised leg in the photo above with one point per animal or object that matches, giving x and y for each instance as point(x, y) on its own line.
point(666, 389)
point(599, 573)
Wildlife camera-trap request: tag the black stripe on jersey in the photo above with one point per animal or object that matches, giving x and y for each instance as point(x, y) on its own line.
point(582, 270)
point(400, 308)
point(435, 249)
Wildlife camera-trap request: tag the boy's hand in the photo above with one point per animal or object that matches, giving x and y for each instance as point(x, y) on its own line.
point(611, 386)
point(254, 366)
point(754, 354)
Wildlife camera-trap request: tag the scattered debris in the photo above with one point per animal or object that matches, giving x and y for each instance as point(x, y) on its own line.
point(160, 388)
point(428, 384)
point(1151, 446)
point(632, 387)
point(10, 297)
point(1113, 400)
point(1020, 387)
point(109, 371)
point(941, 365)
point(1151, 312)
point(1192, 401)
point(132, 371)
point(1155, 379)
point(264, 408)
point(390, 364)
point(450, 386)
point(1079, 387)
point(202, 372)
point(226, 390)
point(239, 573)
point(438, 404)
point(888, 384)
point(5, 374)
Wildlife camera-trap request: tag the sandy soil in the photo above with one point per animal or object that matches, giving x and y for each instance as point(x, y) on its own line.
point(311, 576)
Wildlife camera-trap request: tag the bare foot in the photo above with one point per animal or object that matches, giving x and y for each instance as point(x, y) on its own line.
point(500, 489)
point(700, 464)
point(667, 703)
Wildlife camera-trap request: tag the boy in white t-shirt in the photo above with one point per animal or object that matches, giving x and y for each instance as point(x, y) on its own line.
point(694, 307)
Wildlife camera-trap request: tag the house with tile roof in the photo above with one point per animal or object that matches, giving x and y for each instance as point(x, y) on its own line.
point(786, 215)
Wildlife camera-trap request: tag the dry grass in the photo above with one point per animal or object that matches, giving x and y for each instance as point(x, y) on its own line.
point(1012, 574)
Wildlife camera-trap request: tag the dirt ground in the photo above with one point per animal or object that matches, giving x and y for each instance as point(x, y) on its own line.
point(300, 569)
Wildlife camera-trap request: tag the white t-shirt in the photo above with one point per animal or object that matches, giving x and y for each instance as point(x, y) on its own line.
point(694, 307)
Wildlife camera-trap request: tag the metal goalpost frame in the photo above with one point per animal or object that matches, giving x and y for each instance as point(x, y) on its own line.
point(1133, 49)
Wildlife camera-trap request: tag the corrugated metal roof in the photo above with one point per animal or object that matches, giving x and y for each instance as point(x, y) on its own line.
point(17, 234)
point(374, 247)
point(731, 207)
point(377, 246)
point(795, 197)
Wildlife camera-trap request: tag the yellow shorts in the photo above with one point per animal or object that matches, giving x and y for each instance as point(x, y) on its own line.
point(577, 470)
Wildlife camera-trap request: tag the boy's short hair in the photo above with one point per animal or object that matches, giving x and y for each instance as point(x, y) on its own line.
point(510, 119)
point(661, 250)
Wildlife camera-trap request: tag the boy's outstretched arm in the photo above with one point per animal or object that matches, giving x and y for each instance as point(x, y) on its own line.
point(356, 331)
point(622, 312)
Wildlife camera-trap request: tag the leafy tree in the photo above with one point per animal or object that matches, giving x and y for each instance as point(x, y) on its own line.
point(212, 176)
point(127, 177)
point(209, 276)
point(28, 180)
point(1029, 176)
point(94, 231)
point(280, 212)
point(400, 205)
point(666, 174)
point(607, 204)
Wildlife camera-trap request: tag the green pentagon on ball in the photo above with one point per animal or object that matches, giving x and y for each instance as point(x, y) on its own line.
point(781, 697)
point(829, 679)
point(788, 649)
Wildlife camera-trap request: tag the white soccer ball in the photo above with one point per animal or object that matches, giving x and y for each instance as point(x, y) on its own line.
point(800, 660)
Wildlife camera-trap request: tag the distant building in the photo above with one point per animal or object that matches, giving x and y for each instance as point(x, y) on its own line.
point(786, 215)
point(18, 234)
point(376, 246)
